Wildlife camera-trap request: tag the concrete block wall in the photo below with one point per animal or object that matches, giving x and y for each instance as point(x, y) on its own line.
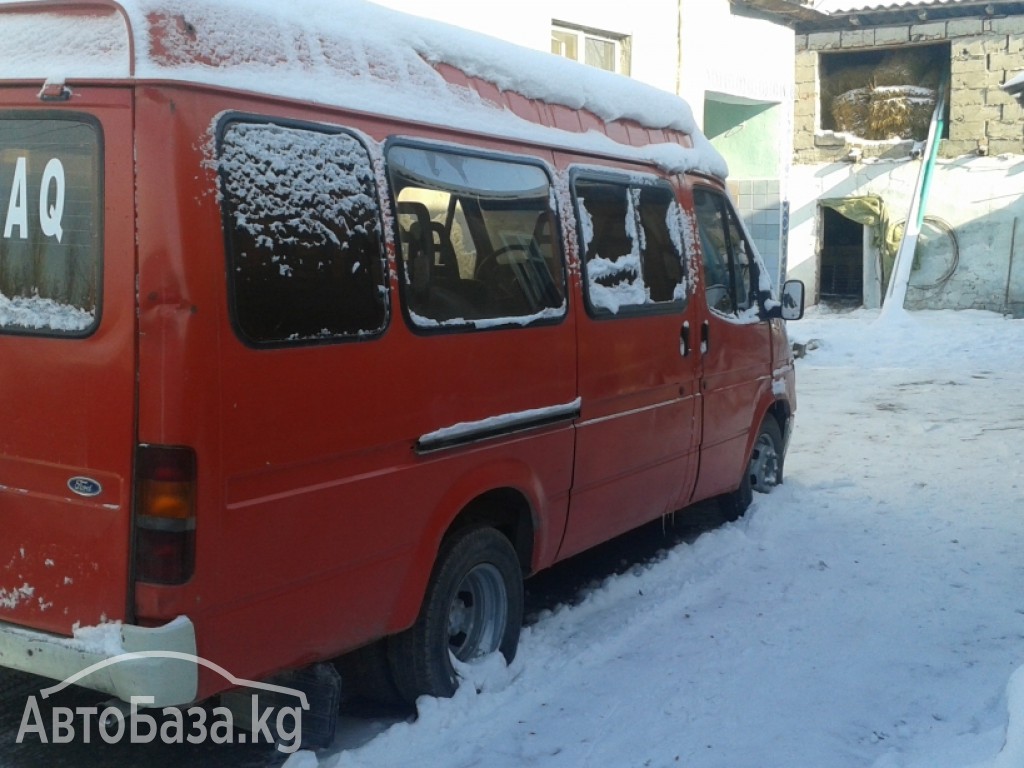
point(984, 53)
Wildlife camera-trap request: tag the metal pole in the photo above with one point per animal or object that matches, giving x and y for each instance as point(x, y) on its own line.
point(896, 294)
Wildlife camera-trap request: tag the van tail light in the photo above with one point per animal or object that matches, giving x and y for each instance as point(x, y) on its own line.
point(165, 514)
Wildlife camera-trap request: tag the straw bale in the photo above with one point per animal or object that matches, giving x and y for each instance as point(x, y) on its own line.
point(888, 112)
point(900, 112)
point(850, 111)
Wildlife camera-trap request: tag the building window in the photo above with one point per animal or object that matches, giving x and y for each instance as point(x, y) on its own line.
point(597, 48)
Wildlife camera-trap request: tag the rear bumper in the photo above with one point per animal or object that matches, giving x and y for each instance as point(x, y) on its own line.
point(98, 659)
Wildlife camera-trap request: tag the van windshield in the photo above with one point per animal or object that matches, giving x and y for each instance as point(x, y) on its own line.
point(50, 193)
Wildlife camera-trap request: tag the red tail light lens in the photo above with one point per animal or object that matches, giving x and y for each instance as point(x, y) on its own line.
point(165, 514)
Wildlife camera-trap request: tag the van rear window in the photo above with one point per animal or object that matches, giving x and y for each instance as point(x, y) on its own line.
point(302, 220)
point(50, 203)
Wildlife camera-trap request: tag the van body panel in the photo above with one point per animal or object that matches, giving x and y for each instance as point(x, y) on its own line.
point(331, 465)
point(67, 398)
point(639, 427)
point(320, 515)
point(736, 388)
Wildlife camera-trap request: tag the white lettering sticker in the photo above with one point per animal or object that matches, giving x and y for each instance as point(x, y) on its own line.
point(50, 215)
point(17, 208)
point(52, 196)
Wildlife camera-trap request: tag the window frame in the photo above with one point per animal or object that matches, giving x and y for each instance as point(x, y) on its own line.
point(755, 298)
point(621, 42)
point(630, 180)
point(99, 214)
point(479, 325)
point(383, 281)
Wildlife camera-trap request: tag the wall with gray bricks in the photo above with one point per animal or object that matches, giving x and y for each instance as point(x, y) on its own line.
point(984, 54)
point(978, 187)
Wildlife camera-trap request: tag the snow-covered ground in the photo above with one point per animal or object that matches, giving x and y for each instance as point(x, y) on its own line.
point(868, 613)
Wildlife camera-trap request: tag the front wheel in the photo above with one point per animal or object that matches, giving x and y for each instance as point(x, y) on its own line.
point(764, 470)
point(473, 607)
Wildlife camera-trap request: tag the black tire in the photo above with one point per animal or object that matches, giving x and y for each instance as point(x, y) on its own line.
point(366, 674)
point(473, 606)
point(16, 685)
point(764, 471)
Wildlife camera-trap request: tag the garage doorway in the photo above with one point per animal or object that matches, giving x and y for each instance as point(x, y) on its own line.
point(842, 260)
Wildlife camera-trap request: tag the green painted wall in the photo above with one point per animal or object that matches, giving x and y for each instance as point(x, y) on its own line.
point(747, 135)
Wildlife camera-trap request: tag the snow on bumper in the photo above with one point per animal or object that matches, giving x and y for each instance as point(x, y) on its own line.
point(170, 681)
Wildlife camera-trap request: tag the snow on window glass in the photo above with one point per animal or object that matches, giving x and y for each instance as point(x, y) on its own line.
point(50, 188)
point(631, 246)
point(304, 233)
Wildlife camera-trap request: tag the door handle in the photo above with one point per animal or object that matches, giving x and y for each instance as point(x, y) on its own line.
point(705, 337)
point(684, 339)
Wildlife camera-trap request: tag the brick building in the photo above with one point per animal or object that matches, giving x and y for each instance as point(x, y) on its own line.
point(867, 77)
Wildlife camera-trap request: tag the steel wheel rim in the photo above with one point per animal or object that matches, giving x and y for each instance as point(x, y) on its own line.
point(764, 465)
point(478, 613)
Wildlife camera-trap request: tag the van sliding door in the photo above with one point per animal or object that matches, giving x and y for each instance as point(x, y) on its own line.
point(638, 431)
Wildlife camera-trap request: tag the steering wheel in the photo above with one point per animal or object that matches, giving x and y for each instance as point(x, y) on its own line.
point(504, 281)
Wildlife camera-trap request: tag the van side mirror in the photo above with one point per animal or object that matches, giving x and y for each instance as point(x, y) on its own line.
point(792, 300)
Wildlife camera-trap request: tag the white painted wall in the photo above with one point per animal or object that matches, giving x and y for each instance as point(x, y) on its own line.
point(979, 197)
point(717, 51)
point(725, 54)
point(528, 22)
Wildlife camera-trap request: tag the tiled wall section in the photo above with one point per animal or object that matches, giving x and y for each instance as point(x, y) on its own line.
point(759, 203)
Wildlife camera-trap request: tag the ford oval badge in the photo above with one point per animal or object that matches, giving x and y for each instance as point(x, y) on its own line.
point(85, 486)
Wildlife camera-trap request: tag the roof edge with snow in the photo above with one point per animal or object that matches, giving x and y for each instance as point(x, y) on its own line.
point(357, 56)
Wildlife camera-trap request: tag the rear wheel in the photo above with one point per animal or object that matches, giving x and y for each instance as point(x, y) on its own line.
point(473, 607)
point(764, 471)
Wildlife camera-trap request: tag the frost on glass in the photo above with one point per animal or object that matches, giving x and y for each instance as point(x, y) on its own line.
point(304, 234)
point(631, 244)
point(50, 187)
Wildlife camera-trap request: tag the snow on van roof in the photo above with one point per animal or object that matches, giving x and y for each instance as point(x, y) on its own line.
point(352, 54)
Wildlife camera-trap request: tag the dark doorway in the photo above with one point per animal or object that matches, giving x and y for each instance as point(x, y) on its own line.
point(842, 259)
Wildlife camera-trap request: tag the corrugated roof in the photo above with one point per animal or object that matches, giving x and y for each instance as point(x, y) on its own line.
point(852, 6)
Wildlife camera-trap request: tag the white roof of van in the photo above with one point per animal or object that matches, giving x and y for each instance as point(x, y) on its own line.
point(347, 53)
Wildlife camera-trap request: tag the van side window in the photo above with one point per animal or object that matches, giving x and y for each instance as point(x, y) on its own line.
point(729, 271)
point(51, 220)
point(631, 245)
point(478, 241)
point(303, 232)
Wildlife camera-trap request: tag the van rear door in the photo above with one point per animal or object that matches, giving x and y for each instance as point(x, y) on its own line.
point(67, 355)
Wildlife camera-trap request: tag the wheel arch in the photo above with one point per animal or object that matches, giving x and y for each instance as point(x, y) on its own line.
point(505, 497)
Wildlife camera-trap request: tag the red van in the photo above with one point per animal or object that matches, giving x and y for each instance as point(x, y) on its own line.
point(315, 339)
